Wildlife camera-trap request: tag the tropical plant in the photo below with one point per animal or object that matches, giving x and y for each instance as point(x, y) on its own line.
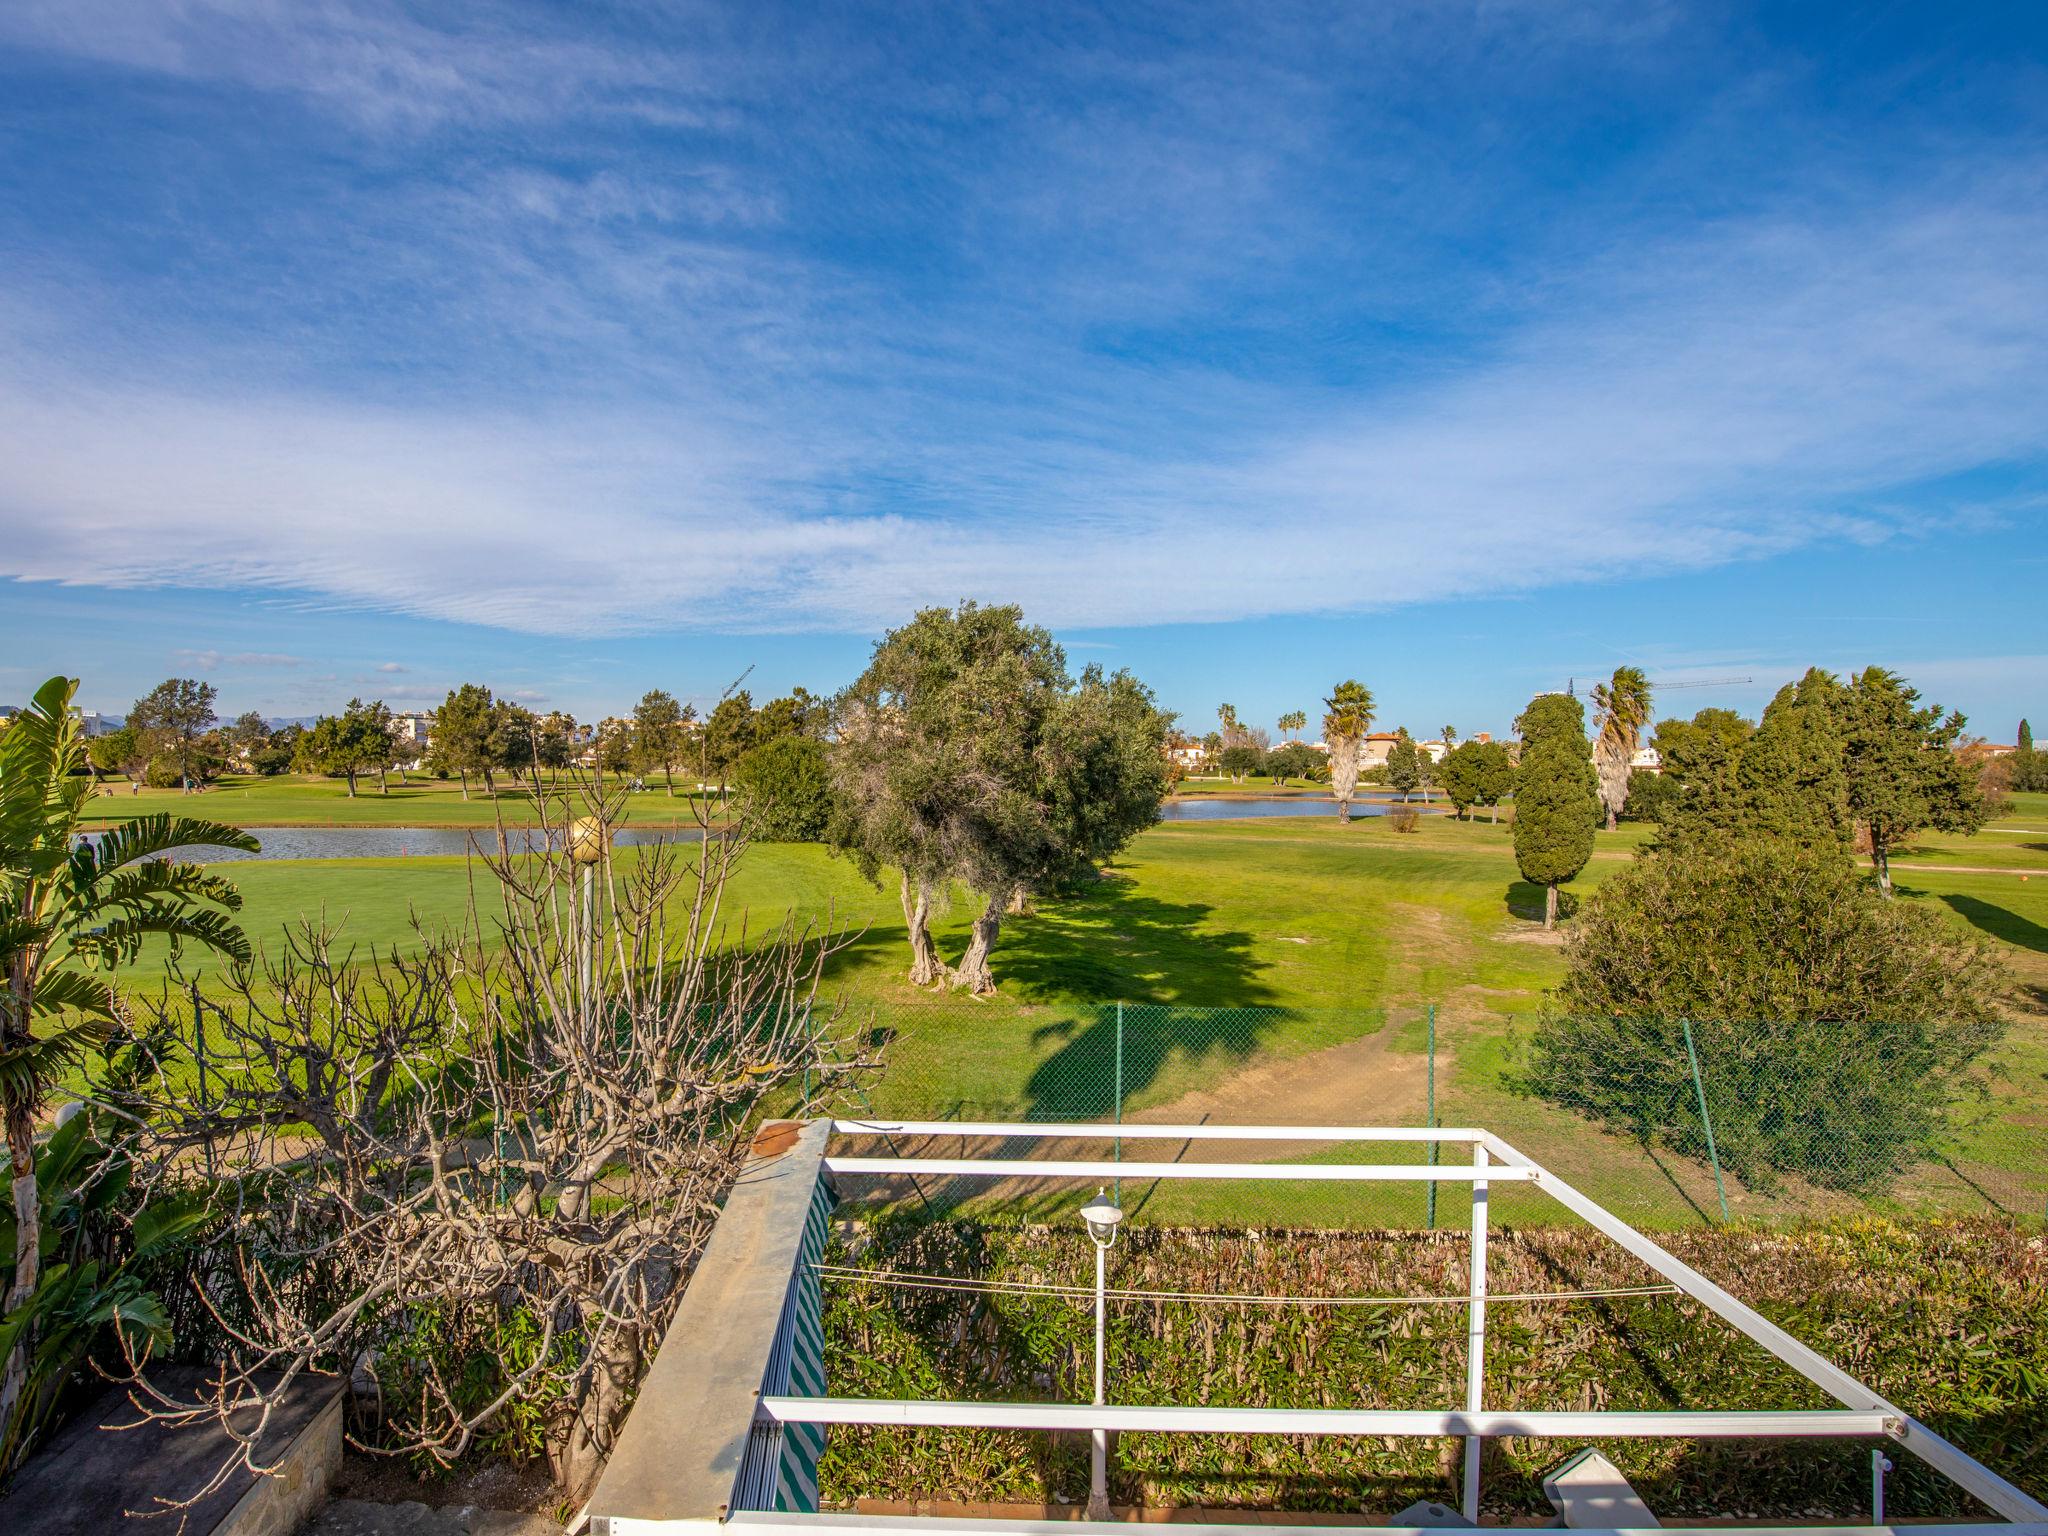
point(1621, 709)
point(72, 910)
point(1347, 716)
point(95, 1255)
point(1292, 723)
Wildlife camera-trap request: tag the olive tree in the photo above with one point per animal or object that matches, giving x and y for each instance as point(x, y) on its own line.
point(966, 753)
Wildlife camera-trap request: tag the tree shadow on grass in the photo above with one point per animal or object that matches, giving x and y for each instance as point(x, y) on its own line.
point(1999, 922)
point(1525, 900)
point(1159, 994)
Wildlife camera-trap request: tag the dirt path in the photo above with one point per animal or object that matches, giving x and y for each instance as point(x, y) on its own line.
point(1361, 1082)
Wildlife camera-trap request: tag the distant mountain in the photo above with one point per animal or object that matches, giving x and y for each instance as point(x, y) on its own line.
point(305, 722)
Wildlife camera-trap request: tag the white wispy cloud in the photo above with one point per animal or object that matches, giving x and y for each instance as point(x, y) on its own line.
point(571, 390)
point(370, 61)
point(209, 660)
point(1780, 381)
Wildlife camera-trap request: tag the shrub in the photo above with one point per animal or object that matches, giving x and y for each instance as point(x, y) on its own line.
point(1404, 819)
point(1650, 795)
point(1835, 1029)
point(788, 789)
point(1947, 1318)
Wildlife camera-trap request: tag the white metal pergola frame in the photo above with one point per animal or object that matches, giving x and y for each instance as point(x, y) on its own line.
point(1863, 1413)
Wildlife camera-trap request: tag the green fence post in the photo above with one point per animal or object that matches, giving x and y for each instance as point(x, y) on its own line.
point(1119, 1093)
point(1706, 1120)
point(1432, 1108)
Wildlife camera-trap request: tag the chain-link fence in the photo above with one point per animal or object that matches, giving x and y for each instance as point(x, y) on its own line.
point(1667, 1124)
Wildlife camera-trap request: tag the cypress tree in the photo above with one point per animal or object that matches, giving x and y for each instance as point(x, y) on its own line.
point(1790, 772)
point(1557, 796)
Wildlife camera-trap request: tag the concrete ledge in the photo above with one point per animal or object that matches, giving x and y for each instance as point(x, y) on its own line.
point(86, 1480)
point(681, 1452)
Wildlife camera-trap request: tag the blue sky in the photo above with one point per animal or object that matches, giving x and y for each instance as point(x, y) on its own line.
point(354, 347)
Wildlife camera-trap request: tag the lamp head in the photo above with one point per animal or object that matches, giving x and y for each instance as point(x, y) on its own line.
point(1102, 1215)
point(587, 839)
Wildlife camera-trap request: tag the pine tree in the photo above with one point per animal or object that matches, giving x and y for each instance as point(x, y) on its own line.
point(1790, 773)
point(1557, 797)
point(1903, 776)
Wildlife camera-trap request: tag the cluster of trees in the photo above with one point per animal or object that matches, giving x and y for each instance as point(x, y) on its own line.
point(1477, 773)
point(1247, 752)
point(173, 738)
point(1831, 1027)
point(967, 755)
point(2027, 768)
point(1833, 763)
point(280, 1181)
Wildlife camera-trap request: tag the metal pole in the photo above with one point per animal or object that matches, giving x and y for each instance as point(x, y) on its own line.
point(588, 946)
point(1432, 1107)
point(1699, 1087)
point(1119, 1093)
point(1879, 1465)
point(1475, 1338)
point(1098, 1451)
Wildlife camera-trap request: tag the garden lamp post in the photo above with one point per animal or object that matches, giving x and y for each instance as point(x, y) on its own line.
point(1102, 1215)
point(587, 841)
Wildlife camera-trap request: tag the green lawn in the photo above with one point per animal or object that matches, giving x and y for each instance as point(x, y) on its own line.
point(1340, 938)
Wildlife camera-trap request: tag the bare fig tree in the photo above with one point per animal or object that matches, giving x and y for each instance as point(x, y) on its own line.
point(477, 1177)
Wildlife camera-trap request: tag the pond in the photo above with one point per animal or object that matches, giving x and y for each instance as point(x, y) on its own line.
point(1217, 809)
point(455, 842)
point(403, 842)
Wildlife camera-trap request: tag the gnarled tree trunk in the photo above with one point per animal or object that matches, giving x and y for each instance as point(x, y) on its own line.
point(973, 972)
point(925, 965)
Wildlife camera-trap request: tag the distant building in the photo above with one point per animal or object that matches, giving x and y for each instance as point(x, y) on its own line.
point(1379, 746)
point(1647, 759)
point(415, 726)
point(1188, 757)
point(1437, 750)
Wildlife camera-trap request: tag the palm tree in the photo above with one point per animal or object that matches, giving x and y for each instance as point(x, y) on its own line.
point(1291, 722)
point(70, 912)
point(1621, 708)
point(1347, 717)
